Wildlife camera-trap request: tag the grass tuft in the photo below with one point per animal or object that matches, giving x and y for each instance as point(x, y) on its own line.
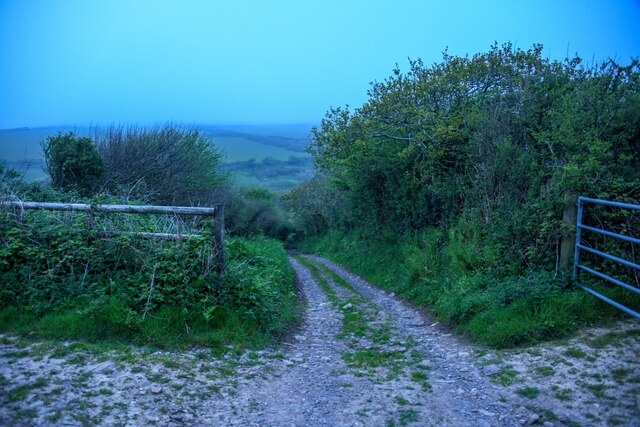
point(530, 392)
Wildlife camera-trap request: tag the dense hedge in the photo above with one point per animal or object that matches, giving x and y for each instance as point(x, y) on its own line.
point(474, 158)
point(60, 279)
point(489, 144)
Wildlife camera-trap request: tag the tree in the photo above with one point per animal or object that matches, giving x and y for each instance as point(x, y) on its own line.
point(315, 205)
point(490, 144)
point(72, 163)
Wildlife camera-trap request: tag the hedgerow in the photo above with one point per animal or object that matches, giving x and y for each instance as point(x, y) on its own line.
point(60, 278)
point(449, 185)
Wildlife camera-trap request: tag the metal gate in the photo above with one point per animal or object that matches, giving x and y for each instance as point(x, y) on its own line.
point(578, 267)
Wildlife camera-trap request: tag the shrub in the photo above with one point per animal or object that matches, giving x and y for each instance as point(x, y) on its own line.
point(72, 163)
point(256, 211)
point(9, 180)
point(167, 165)
point(489, 145)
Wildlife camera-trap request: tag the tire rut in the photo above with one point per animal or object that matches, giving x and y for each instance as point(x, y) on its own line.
point(461, 394)
point(305, 392)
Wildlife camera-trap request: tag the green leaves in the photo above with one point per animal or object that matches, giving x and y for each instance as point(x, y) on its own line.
point(72, 162)
point(167, 165)
point(496, 140)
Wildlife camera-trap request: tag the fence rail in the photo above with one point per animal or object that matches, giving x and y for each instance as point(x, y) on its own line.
point(216, 213)
point(578, 267)
point(138, 209)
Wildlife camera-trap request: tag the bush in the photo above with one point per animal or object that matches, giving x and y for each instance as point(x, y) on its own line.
point(489, 145)
point(9, 180)
point(167, 165)
point(256, 211)
point(316, 205)
point(486, 150)
point(72, 162)
point(253, 287)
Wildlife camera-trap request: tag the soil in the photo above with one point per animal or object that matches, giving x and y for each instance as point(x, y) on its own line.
point(360, 357)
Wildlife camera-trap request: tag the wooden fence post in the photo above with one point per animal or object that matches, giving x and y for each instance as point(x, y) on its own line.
point(91, 220)
point(568, 239)
point(217, 241)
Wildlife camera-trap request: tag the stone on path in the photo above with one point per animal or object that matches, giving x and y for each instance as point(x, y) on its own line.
point(491, 370)
point(533, 419)
point(101, 367)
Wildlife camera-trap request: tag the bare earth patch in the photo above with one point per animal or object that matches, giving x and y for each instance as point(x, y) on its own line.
point(361, 358)
point(591, 379)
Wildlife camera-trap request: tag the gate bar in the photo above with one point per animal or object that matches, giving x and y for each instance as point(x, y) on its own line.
point(137, 209)
point(611, 234)
point(610, 301)
point(611, 257)
point(578, 246)
point(609, 278)
point(609, 203)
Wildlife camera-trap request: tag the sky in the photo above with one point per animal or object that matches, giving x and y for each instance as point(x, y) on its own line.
point(79, 62)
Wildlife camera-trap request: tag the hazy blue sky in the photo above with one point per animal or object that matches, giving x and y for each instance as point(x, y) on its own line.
point(242, 62)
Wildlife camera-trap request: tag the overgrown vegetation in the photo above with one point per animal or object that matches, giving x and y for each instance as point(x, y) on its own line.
point(500, 311)
point(69, 276)
point(73, 163)
point(255, 211)
point(448, 186)
point(63, 281)
point(167, 165)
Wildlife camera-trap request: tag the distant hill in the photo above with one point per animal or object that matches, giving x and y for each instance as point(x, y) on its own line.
point(271, 156)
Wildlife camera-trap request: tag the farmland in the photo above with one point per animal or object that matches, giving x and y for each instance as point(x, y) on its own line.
point(272, 157)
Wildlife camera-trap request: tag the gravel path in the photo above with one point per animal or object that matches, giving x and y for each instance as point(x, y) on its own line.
point(459, 394)
point(361, 357)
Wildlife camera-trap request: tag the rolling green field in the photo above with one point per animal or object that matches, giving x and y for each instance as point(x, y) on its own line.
point(23, 144)
point(281, 184)
point(20, 149)
point(238, 149)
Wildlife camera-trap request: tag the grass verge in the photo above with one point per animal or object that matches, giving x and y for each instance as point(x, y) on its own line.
point(466, 288)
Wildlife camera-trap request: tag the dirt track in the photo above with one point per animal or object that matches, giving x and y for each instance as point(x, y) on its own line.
point(361, 357)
